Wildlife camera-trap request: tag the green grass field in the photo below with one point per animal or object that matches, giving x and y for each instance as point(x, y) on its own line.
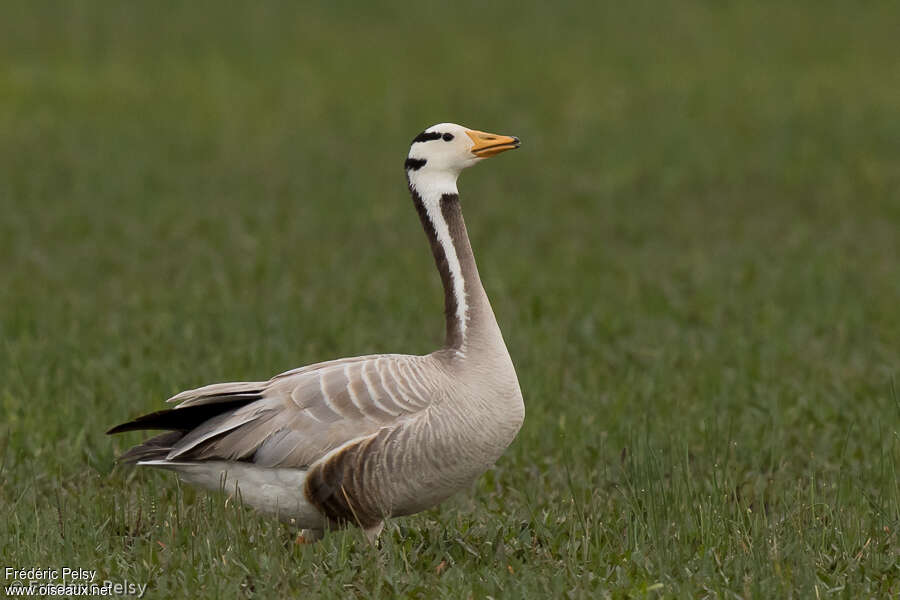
point(695, 259)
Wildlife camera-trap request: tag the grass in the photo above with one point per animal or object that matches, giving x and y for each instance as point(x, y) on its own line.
point(694, 258)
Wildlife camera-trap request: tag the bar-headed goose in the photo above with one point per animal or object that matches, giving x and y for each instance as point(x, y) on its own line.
point(356, 440)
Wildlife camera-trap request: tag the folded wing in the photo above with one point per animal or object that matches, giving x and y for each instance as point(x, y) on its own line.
point(299, 416)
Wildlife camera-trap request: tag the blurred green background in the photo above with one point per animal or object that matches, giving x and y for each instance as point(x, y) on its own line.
point(694, 258)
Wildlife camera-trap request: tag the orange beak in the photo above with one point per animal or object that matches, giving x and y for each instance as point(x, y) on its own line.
point(490, 144)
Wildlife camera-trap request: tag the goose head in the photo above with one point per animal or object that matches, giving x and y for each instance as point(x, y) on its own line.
point(448, 148)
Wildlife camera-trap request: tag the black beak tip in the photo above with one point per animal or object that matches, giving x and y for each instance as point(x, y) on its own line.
point(516, 141)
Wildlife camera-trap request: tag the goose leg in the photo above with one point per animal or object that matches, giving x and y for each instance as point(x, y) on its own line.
point(373, 532)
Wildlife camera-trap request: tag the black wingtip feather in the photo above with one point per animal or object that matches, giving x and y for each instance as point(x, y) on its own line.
point(182, 419)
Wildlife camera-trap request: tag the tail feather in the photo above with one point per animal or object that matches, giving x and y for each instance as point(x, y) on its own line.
point(156, 448)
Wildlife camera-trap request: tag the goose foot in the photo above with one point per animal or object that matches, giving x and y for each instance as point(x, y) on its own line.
point(308, 536)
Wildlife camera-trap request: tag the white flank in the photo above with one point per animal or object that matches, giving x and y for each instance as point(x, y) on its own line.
point(277, 491)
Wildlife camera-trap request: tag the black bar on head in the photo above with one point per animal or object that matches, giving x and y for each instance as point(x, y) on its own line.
point(415, 164)
point(427, 136)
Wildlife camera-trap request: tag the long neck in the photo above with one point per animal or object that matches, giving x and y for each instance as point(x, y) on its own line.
point(470, 320)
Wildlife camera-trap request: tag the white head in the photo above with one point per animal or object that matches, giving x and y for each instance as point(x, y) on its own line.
point(443, 150)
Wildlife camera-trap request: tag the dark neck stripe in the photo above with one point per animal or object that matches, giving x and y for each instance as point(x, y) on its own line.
point(474, 296)
point(426, 136)
point(450, 210)
point(454, 327)
point(415, 164)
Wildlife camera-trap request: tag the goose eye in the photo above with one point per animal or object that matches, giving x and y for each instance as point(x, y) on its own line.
point(447, 137)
